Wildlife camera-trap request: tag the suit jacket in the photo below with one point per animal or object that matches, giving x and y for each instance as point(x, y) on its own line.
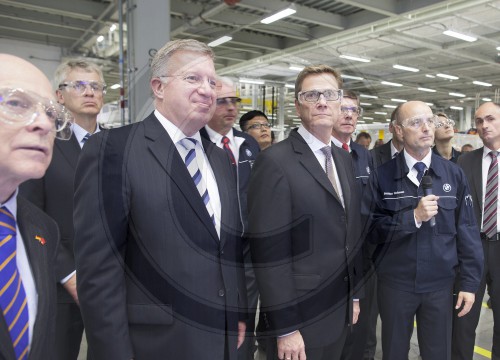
point(381, 154)
point(363, 164)
point(471, 163)
point(33, 222)
point(53, 193)
point(154, 279)
point(303, 241)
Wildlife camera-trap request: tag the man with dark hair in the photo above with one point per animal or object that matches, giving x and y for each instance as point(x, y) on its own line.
point(364, 139)
point(80, 88)
point(304, 230)
point(392, 148)
point(445, 131)
point(256, 124)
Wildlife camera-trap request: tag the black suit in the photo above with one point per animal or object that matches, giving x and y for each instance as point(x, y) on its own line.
point(154, 279)
point(381, 154)
point(303, 242)
point(53, 193)
point(33, 222)
point(464, 328)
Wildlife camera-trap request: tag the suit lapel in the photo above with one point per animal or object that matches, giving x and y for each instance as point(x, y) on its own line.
point(165, 152)
point(70, 150)
point(477, 178)
point(341, 167)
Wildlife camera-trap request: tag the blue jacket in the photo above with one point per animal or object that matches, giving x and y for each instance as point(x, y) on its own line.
point(423, 259)
point(363, 164)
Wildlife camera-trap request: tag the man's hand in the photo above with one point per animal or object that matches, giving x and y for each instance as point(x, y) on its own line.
point(355, 312)
point(467, 299)
point(291, 347)
point(242, 326)
point(427, 208)
point(70, 287)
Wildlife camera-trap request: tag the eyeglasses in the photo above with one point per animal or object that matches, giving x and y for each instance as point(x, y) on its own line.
point(416, 122)
point(314, 95)
point(352, 109)
point(231, 100)
point(196, 80)
point(258, 126)
point(22, 107)
point(80, 86)
point(447, 122)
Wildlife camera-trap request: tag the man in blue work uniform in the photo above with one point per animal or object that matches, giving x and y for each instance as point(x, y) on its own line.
point(415, 261)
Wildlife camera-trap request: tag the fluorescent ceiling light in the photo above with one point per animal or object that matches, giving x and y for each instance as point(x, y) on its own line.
point(114, 86)
point(399, 100)
point(296, 67)
point(457, 94)
point(367, 118)
point(391, 83)
point(352, 77)
point(100, 38)
point(380, 113)
point(405, 68)
point(456, 107)
point(430, 104)
point(390, 106)
point(388, 120)
point(112, 27)
point(355, 58)
point(362, 121)
point(221, 40)
point(279, 15)
point(460, 36)
point(486, 99)
point(426, 89)
point(290, 86)
point(368, 96)
point(252, 81)
point(498, 48)
point(446, 76)
point(430, 76)
point(365, 104)
point(482, 83)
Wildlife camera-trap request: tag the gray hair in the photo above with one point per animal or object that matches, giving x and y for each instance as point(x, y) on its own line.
point(69, 65)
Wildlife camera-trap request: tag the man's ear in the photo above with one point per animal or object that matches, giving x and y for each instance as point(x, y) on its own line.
point(59, 97)
point(157, 87)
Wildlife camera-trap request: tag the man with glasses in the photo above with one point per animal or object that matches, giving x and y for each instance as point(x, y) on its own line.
point(481, 168)
point(421, 240)
point(256, 124)
point(443, 137)
point(30, 119)
point(81, 89)
point(242, 150)
point(304, 229)
point(157, 225)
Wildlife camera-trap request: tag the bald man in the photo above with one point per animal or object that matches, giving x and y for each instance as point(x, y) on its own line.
point(30, 119)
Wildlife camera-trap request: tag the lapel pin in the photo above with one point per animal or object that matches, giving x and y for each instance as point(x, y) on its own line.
point(40, 239)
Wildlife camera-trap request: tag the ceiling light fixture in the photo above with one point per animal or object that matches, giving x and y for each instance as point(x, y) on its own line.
point(354, 58)
point(391, 83)
point(100, 38)
point(252, 81)
point(481, 83)
point(290, 86)
point(368, 96)
point(457, 94)
point(430, 104)
point(114, 86)
point(498, 48)
point(345, 76)
point(219, 41)
point(426, 89)
point(446, 76)
point(365, 104)
point(486, 99)
point(430, 76)
point(399, 100)
point(380, 113)
point(112, 27)
point(390, 106)
point(460, 36)
point(456, 107)
point(296, 67)
point(405, 68)
point(367, 118)
point(279, 15)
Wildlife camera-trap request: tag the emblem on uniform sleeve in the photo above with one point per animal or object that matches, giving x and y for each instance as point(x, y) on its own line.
point(248, 152)
point(368, 170)
point(468, 200)
point(447, 187)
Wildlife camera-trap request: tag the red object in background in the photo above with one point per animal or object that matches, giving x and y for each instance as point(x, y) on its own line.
point(231, 2)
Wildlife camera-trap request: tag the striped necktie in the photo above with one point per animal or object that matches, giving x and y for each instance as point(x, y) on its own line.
point(13, 300)
point(85, 138)
point(330, 172)
point(491, 198)
point(225, 145)
point(189, 145)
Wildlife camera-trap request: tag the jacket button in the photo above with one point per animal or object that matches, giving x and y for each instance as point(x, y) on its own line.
point(221, 293)
point(346, 278)
point(347, 248)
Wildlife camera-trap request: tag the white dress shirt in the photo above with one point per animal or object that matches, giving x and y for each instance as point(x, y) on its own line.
point(485, 166)
point(80, 133)
point(24, 268)
point(234, 141)
point(203, 164)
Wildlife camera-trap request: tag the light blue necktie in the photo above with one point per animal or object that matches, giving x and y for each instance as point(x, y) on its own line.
point(13, 302)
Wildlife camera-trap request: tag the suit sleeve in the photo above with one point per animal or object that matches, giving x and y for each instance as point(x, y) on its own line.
point(100, 241)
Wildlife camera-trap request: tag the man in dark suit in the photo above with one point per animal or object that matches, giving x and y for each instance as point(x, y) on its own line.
point(476, 165)
point(304, 229)
point(242, 150)
point(81, 90)
point(29, 120)
point(157, 230)
point(416, 259)
point(389, 150)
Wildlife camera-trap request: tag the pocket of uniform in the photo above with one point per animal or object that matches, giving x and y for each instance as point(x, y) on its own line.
point(445, 219)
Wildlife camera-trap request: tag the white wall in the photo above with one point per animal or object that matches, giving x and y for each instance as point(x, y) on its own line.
point(46, 58)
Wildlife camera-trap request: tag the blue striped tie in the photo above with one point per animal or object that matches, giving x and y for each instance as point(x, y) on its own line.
point(85, 138)
point(13, 300)
point(190, 160)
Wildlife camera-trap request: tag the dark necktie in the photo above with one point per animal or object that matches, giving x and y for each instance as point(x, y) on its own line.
point(420, 167)
point(85, 138)
point(190, 160)
point(491, 198)
point(395, 154)
point(225, 145)
point(345, 147)
point(13, 302)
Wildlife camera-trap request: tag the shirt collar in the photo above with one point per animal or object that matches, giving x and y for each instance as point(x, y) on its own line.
point(173, 131)
point(410, 161)
point(11, 203)
point(338, 143)
point(393, 149)
point(487, 150)
point(216, 138)
point(314, 143)
point(81, 132)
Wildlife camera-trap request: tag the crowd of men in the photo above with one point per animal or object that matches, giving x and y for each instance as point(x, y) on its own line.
point(182, 237)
